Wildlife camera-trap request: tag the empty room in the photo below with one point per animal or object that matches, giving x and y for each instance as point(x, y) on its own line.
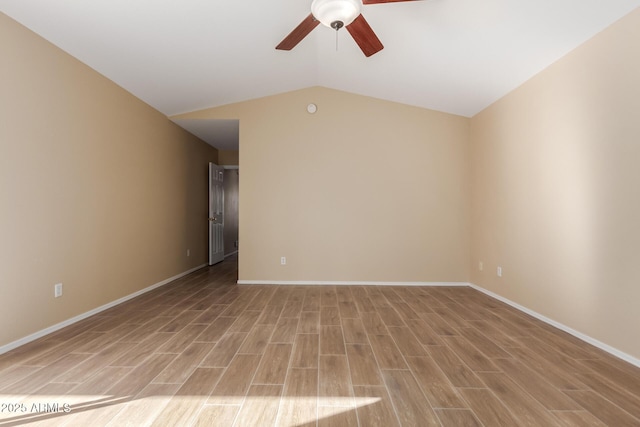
point(319, 213)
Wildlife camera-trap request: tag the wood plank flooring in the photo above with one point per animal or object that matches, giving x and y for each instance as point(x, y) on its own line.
point(203, 351)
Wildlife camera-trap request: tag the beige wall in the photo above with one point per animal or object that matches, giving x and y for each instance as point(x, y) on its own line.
point(98, 190)
point(363, 190)
point(555, 195)
point(228, 157)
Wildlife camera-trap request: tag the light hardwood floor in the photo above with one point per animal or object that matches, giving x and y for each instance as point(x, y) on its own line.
point(203, 351)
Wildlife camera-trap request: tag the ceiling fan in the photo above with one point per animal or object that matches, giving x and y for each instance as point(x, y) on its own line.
point(337, 14)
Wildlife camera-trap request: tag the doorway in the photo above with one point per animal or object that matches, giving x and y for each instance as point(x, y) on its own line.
point(216, 213)
point(231, 193)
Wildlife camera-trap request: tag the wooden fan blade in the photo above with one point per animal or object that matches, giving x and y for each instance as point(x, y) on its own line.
point(382, 1)
point(364, 36)
point(300, 32)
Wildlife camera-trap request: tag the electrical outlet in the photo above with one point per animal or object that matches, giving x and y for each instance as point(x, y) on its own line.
point(57, 290)
point(499, 271)
point(480, 266)
point(188, 252)
point(283, 260)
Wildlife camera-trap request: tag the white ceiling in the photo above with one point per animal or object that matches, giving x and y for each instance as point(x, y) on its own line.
point(222, 134)
point(456, 56)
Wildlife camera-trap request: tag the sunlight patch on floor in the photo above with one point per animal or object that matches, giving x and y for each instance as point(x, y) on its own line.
point(292, 410)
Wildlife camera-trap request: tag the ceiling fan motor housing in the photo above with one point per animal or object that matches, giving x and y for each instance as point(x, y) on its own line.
point(336, 13)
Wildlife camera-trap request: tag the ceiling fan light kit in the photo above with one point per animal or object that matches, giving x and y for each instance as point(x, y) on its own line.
point(337, 14)
point(332, 12)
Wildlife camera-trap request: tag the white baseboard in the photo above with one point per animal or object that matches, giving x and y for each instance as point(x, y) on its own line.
point(232, 253)
point(614, 351)
point(345, 283)
point(50, 329)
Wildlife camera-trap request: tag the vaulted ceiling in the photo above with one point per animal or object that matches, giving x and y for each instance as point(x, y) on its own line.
point(456, 56)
